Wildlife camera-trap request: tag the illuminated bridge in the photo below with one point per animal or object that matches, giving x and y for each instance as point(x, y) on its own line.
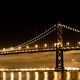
point(64, 38)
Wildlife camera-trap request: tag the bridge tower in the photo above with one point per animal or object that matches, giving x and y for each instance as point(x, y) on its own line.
point(59, 50)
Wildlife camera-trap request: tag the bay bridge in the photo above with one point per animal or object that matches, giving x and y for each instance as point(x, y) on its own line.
point(59, 46)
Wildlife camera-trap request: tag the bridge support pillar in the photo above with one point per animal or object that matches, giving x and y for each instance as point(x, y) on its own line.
point(59, 60)
point(59, 50)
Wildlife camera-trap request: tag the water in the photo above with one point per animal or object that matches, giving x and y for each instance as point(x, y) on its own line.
point(41, 60)
point(39, 75)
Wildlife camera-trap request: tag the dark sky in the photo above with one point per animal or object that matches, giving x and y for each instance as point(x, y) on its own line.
point(16, 29)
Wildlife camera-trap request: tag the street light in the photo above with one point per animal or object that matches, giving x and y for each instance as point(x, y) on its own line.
point(27, 47)
point(55, 44)
point(59, 45)
point(11, 48)
point(67, 44)
point(36, 46)
point(19, 47)
point(45, 45)
point(78, 43)
point(4, 49)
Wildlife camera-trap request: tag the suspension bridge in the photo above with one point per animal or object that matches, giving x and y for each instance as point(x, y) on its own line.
point(59, 46)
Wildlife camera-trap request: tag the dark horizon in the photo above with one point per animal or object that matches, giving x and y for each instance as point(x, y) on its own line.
point(15, 30)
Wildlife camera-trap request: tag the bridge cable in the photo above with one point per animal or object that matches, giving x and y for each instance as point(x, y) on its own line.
point(40, 35)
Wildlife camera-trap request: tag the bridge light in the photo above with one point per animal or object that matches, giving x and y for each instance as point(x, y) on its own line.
point(19, 47)
point(78, 31)
point(79, 43)
point(59, 45)
point(45, 45)
point(70, 28)
point(73, 29)
point(27, 47)
point(66, 26)
point(4, 49)
point(55, 44)
point(36, 46)
point(67, 44)
point(11, 48)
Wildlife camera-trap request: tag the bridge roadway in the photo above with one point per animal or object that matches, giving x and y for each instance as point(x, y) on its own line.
point(36, 69)
point(36, 50)
point(39, 59)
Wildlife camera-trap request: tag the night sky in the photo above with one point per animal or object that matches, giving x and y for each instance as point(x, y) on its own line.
point(16, 29)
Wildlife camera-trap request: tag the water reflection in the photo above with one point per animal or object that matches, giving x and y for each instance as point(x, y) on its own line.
point(40, 75)
point(45, 75)
point(27, 75)
point(68, 75)
point(36, 75)
point(20, 75)
point(4, 75)
point(12, 75)
point(78, 75)
point(57, 75)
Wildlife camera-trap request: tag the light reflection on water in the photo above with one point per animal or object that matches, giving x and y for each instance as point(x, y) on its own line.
point(40, 75)
point(45, 75)
point(78, 75)
point(36, 75)
point(68, 75)
point(27, 75)
point(20, 75)
point(57, 75)
point(4, 75)
point(12, 75)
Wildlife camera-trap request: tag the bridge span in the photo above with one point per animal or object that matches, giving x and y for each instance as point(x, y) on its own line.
point(45, 56)
point(35, 50)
